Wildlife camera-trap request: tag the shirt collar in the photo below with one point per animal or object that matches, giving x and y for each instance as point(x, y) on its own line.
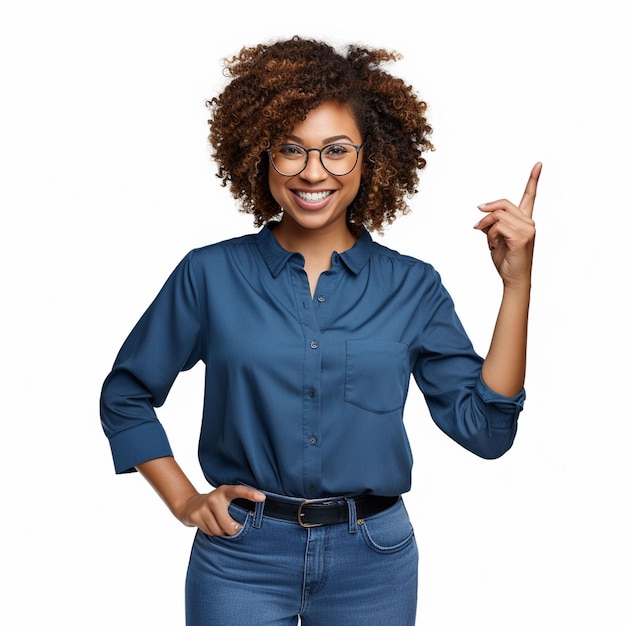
point(357, 257)
point(276, 257)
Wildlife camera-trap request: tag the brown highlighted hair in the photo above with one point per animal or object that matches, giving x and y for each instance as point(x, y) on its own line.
point(273, 87)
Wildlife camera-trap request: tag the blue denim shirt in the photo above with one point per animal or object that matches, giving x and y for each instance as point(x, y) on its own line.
point(304, 396)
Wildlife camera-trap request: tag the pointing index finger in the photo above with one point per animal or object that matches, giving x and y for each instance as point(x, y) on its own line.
point(528, 199)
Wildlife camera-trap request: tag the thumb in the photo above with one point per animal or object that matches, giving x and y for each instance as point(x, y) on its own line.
point(242, 491)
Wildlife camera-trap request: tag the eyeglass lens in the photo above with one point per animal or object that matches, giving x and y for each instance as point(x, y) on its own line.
point(338, 159)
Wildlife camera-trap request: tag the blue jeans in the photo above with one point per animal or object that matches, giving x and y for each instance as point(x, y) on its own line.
point(362, 572)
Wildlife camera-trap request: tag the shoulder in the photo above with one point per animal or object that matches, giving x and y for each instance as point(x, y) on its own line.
point(402, 276)
point(219, 252)
point(402, 263)
point(221, 247)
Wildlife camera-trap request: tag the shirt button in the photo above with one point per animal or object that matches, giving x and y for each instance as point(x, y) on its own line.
point(321, 298)
point(312, 440)
point(312, 392)
point(315, 344)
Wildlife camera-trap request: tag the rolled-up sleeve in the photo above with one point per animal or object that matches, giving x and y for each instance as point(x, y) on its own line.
point(448, 371)
point(166, 340)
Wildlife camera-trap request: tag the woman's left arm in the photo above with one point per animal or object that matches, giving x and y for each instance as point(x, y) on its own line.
point(510, 234)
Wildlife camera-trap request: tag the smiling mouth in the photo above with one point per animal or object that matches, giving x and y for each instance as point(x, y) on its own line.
point(313, 196)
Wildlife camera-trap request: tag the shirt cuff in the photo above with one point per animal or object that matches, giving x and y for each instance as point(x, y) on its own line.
point(489, 395)
point(501, 411)
point(138, 444)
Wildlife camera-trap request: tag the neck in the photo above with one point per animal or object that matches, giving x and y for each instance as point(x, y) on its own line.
point(314, 245)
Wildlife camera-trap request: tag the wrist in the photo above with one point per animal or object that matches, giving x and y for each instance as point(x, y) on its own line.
point(183, 507)
point(171, 483)
point(519, 287)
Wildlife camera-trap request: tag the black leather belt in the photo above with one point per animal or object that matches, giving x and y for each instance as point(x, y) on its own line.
point(309, 513)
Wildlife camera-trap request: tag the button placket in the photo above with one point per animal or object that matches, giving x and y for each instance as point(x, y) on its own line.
point(311, 379)
point(313, 313)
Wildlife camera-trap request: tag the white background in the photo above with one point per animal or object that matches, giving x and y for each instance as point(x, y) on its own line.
point(106, 182)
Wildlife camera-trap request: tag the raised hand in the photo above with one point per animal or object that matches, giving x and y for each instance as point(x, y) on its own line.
point(510, 233)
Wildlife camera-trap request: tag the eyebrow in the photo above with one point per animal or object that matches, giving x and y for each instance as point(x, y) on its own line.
point(325, 141)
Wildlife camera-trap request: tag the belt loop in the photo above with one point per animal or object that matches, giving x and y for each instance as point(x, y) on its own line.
point(259, 507)
point(352, 527)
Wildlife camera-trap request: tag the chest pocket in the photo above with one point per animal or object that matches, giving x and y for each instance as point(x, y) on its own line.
point(377, 375)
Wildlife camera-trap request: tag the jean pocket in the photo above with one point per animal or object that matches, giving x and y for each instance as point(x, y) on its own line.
point(243, 518)
point(377, 375)
point(388, 532)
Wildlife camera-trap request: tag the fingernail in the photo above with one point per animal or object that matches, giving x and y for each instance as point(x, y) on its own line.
point(482, 206)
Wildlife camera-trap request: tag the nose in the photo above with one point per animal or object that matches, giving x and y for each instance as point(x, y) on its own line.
point(314, 170)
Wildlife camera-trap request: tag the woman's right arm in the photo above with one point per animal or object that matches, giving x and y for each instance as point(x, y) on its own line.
point(166, 340)
point(206, 511)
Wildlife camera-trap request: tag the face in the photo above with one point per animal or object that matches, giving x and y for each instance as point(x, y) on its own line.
point(314, 199)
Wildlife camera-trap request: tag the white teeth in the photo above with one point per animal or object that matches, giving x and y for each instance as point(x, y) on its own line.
point(316, 196)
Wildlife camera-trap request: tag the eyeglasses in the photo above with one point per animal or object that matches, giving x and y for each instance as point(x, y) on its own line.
point(338, 159)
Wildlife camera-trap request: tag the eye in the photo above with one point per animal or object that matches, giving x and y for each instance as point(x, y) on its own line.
point(337, 150)
point(291, 151)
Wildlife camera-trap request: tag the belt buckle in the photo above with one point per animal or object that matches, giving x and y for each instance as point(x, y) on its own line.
point(300, 515)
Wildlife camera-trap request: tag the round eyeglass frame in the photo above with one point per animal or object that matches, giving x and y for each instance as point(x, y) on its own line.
point(306, 159)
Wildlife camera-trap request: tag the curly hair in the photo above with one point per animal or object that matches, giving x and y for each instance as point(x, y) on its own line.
point(273, 87)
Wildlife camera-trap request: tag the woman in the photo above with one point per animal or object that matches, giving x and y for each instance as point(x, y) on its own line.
point(309, 332)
